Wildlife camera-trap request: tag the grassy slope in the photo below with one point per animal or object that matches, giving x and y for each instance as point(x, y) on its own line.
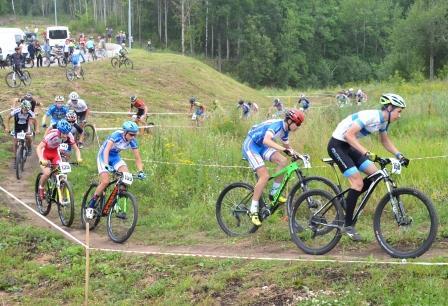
point(177, 202)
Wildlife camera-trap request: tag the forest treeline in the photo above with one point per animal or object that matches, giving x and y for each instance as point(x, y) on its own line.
point(296, 43)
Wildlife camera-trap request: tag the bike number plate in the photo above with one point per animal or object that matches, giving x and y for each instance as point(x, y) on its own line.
point(396, 166)
point(65, 167)
point(306, 162)
point(21, 135)
point(63, 147)
point(127, 178)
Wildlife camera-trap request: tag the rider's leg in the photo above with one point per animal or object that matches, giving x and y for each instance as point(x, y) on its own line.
point(263, 177)
point(281, 162)
point(44, 177)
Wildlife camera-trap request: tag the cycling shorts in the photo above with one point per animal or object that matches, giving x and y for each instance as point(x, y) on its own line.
point(140, 113)
point(52, 155)
point(81, 116)
point(114, 161)
point(256, 154)
point(348, 159)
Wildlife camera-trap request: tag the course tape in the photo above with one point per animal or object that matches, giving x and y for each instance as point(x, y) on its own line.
point(186, 254)
point(128, 113)
point(152, 126)
point(64, 232)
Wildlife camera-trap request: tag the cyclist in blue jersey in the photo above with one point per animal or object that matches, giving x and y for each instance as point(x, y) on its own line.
point(77, 59)
point(352, 157)
point(303, 103)
point(245, 109)
point(90, 45)
point(108, 159)
point(277, 109)
point(56, 112)
point(259, 145)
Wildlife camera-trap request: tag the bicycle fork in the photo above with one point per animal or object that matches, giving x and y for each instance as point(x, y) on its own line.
point(397, 207)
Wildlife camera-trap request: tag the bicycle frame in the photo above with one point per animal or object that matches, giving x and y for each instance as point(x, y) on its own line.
point(378, 176)
point(106, 205)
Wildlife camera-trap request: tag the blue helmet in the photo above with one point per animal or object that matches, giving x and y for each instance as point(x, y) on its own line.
point(130, 127)
point(63, 126)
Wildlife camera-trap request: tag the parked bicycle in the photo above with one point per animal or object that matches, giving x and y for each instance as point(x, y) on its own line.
point(118, 61)
point(59, 191)
point(405, 221)
point(14, 80)
point(120, 207)
point(233, 204)
point(21, 153)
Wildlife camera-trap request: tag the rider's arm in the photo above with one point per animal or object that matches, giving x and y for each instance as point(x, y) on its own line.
point(106, 151)
point(146, 111)
point(87, 114)
point(138, 159)
point(77, 152)
point(36, 126)
point(268, 140)
point(387, 143)
point(350, 136)
point(7, 127)
point(39, 150)
point(44, 119)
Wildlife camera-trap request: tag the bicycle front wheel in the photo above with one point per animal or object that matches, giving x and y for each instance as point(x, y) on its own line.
point(27, 78)
point(233, 209)
point(85, 203)
point(66, 203)
point(315, 222)
point(114, 62)
point(70, 74)
point(43, 206)
point(89, 134)
point(122, 217)
point(19, 161)
point(12, 79)
point(405, 223)
point(128, 63)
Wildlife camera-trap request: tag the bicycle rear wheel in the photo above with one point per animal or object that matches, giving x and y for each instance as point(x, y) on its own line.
point(314, 222)
point(233, 209)
point(43, 206)
point(405, 224)
point(89, 134)
point(85, 203)
point(122, 217)
point(12, 79)
point(66, 204)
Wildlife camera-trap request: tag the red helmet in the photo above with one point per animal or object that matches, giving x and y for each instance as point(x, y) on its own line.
point(296, 116)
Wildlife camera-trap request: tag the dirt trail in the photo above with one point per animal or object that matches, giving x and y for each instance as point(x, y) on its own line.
point(98, 239)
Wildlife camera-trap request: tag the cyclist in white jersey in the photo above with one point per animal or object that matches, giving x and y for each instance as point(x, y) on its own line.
point(82, 111)
point(259, 145)
point(351, 156)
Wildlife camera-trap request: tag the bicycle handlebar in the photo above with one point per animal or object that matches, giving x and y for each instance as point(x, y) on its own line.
point(385, 161)
point(120, 174)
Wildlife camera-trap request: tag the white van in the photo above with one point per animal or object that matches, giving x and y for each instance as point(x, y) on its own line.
point(57, 35)
point(9, 37)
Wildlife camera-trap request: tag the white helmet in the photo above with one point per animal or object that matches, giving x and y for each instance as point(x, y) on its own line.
point(73, 95)
point(393, 99)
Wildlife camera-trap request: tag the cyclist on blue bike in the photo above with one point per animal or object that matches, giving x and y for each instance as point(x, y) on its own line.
point(109, 159)
point(352, 157)
point(259, 146)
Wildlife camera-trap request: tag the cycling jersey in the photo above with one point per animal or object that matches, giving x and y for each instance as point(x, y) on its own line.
point(119, 143)
point(370, 121)
point(21, 120)
point(57, 113)
point(279, 106)
point(53, 140)
point(76, 57)
point(90, 44)
point(275, 126)
point(199, 110)
point(139, 104)
point(245, 107)
point(79, 107)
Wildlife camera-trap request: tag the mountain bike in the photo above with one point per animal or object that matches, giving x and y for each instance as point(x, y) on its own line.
point(405, 221)
point(29, 62)
point(58, 190)
point(233, 204)
point(120, 207)
point(21, 153)
point(14, 80)
point(71, 74)
point(118, 61)
point(88, 134)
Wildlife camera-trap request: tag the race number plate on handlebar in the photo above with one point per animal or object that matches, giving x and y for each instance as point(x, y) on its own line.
point(396, 166)
point(127, 178)
point(21, 135)
point(65, 167)
point(306, 161)
point(63, 147)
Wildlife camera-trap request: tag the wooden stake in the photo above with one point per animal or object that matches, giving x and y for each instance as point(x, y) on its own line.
point(86, 289)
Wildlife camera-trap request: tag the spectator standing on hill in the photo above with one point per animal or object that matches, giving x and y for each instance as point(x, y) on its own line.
point(109, 33)
point(31, 51)
point(23, 51)
point(38, 53)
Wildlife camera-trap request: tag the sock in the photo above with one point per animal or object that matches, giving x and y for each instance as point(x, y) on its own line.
point(254, 207)
point(275, 187)
point(352, 198)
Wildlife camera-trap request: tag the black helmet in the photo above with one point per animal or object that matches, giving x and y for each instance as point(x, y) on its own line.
point(192, 99)
point(133, 98)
